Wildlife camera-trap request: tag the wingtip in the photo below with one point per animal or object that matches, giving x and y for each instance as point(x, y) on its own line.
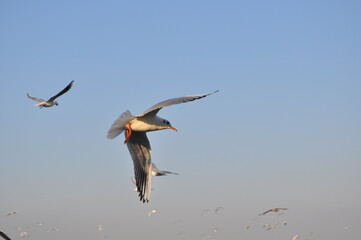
point(212, 93)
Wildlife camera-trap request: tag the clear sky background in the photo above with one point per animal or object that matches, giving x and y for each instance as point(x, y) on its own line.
point(283, 131)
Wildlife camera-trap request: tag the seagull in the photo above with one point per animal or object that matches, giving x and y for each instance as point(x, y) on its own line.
point(12, 213)
point(135, 127)
point(272, 210)
point(2, 234)
point(51, 102)
point(151, 212)
point(100, 227)
point(24, 234)
point(217, 209)
point(296, 237)
point(39, 224)
point(269, 226)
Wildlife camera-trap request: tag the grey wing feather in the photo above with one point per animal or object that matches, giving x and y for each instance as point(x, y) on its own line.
point(155, 109)
point(67, 88)
point(139, 149)
point(35, 98)
point(119, 125)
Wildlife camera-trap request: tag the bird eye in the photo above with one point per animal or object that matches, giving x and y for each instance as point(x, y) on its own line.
point(166, 122)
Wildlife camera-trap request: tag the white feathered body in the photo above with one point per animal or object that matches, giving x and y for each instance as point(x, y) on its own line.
point(46, 104)
point(140, 124)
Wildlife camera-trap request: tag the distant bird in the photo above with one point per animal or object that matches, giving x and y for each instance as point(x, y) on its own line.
point(135, 127)
point(39, 224)
point(151, 212)
point(12, 213)
point(3, 235)
point(269, 226)
point(24, 234)
point(51, 102)
point(273, 210)
point(217, 209)
point(296, 237)
point(100, 227)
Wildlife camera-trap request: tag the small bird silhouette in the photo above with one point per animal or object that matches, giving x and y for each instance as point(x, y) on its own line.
point(272, 210)
point(51, 102)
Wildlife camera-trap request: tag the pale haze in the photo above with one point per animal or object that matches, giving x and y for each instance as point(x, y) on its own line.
point(282, 132)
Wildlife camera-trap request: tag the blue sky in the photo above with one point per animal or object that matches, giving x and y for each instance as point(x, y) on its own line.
point(283, 131)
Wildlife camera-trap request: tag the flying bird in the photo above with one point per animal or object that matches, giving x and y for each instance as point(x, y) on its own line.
point(51, 102)
point(296, 237)
point(100, 227)
point(151, 212)
point(217, 209)
point(24, 234)
point(3, 235)
point(272, 210)
point(135, 127)
point(12, 213)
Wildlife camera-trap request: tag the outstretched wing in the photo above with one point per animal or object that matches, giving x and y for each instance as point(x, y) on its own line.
point(155, 109)
point(139, 149)
point(119, 125)
point(264, 213)
point(67, 88)
point(35, 99)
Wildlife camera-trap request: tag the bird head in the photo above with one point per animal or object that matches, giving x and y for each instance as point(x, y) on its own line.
point(166, 125)
point(56, 103)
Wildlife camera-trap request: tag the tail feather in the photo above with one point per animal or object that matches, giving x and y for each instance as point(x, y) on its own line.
point(119, 125)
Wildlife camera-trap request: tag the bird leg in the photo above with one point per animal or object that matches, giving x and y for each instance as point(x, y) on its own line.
point(128, 133)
